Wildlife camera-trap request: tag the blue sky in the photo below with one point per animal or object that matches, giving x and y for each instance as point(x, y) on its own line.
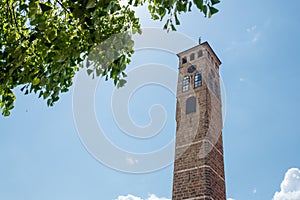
point(42, 156)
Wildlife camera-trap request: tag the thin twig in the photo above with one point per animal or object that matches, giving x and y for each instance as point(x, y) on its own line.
point(58, 1)
point(15, 18)
point(8, 8)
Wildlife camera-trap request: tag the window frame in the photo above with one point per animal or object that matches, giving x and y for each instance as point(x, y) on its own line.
point(197, 79)
point(185, 83)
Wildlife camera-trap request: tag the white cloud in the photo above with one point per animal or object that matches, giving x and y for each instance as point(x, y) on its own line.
point(255, 37)
point(251, 28)
point(254, 191)
point(131, 161)
point(254, 34)
point(230, 199)
point(153, 197)
point(132, 197)
point(290, 186)
point(128, 197)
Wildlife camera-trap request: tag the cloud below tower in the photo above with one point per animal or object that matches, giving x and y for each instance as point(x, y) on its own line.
point(132, 197)
point(290, 186)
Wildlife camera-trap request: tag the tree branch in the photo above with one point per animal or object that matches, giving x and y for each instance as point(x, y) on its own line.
point(15, 18)
point(60, 3)
point(9, 10)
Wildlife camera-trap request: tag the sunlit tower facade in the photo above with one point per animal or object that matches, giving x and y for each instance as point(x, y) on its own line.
point(199, 160)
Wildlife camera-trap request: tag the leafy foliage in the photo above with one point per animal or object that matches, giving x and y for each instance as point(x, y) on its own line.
point(43, 42)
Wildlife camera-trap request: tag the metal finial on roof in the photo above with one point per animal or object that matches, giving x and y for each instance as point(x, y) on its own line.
point(199, 40)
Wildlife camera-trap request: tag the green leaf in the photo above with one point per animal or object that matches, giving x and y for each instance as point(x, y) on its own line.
point(190, 6)
point(213, 2)
point(199, 4)
point(32, 9)
point(155, 17)
point(121, 83)
point(212, 11)
point(98, 71)
point(23, 88)
point(162, 12)
point(204, 10)
point(166, 24)
point(49, 102)
point(181, 6)
point(173, 27)
point(150, 8)
point(5, 113)
point(42, 26)
point(52, 34)
point(176, 20)
point(61, 58)
point(41, 94)
point(89, 71)
point(23, 7)
point(45, 7)
point(90, 4)
point(35, 81)
point(46, 94)
point(124, 74)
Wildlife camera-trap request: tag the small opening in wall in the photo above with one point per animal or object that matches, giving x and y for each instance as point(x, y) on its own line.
point(200, 53)
point(192, 56)
point(184, 60)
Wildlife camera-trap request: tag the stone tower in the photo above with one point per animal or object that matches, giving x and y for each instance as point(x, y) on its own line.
point(199, 161)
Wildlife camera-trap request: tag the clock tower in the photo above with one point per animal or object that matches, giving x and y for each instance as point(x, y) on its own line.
point(199, 160)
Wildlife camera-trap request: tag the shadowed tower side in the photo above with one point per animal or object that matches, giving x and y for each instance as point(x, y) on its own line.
point(199, 160)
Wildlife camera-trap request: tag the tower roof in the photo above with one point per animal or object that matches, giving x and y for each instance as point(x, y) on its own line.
point(207, 47)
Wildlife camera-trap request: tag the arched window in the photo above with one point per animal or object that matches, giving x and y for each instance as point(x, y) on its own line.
point(190, 105)
point(184, 60)
point(212, 73)
point(209, 57)
point(200, 53)
point(210, 83)
point(216, 90)
point(192, 56)
point(185, 83)
point(198, 80)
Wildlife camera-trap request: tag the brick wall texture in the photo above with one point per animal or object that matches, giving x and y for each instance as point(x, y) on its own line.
point(199, 160)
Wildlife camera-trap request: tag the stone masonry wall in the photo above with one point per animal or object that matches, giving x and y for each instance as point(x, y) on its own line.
point(199, 160)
